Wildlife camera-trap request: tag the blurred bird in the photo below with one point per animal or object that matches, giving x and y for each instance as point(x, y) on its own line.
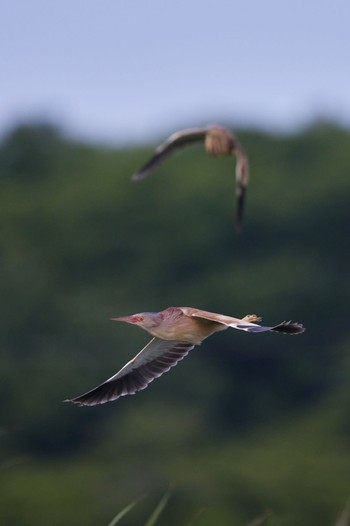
point(217, 141)
point(175, 331)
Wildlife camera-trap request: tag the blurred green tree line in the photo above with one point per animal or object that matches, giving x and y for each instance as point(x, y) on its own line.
point(81, 243)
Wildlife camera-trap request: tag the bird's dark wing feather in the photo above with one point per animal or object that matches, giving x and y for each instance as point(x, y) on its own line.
point(289, 327)
point(156, 358)
point(176, 140)
point(286, 327)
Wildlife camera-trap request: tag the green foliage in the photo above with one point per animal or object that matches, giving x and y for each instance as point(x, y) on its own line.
point(247, 422)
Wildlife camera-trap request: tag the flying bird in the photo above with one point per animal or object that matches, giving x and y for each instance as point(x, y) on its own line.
point(217, 141)
point(175, 331)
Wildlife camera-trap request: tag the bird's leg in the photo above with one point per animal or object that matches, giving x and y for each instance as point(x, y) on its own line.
point(251, 318)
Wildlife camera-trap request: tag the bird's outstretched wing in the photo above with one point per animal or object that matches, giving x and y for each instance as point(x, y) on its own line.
point(156, 358)
point(177, 140)
point(246, 323)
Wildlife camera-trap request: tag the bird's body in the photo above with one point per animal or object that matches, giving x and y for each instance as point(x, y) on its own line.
point(217, 141)
point(175, 331)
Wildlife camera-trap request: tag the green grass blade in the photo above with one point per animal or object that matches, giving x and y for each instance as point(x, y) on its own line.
point(195, 517)
point(344, 517)
point(123, 512)
point(260, 519)
point(158, 510)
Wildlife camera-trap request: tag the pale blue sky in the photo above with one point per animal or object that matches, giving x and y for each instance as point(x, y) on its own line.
point(132, 70)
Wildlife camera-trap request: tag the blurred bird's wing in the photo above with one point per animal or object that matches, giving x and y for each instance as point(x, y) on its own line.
point(177, 140)
point(156, 358)
point(242, 179)
point(244, 324)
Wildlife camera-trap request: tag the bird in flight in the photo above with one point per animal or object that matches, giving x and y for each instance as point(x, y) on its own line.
point(175, 331)
point(217, 141)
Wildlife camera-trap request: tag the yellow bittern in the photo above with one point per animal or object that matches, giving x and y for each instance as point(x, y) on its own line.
point(175, 331)
point(217, 141)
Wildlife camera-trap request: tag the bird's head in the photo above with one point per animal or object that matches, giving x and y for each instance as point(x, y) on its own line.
point(145, 320)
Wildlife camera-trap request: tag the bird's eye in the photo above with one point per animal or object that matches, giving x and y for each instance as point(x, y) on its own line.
point(136, 319)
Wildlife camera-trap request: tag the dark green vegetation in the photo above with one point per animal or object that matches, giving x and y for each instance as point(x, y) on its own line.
point(246, 422)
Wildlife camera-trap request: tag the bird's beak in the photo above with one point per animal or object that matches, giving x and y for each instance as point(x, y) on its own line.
point(126, 319)
point(121, 318)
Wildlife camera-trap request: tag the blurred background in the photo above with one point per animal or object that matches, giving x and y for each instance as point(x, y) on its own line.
point(246, 423)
